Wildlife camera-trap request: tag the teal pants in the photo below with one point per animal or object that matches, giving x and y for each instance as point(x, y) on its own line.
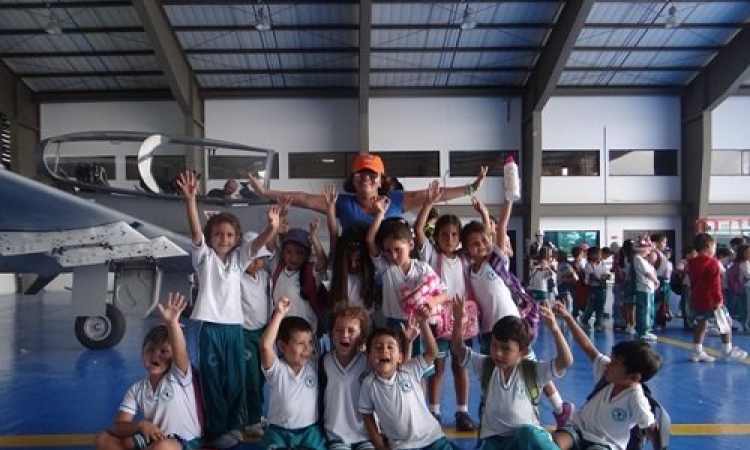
point(222, 377)
point(310, 438)
point(643, 312)
point(254, 379)
point(525, 437)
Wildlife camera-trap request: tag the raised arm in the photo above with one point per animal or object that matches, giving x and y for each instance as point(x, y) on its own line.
point(458, 348)
point(321, 260)
point(564, 357)
point(315, 202)
point(415, 199)
point(331, 194)
point(430, 344)
point(434, 191)
point(170, 314)
point(188, 184)
point(267, 354)
point(501, 229)
point(578, 334)
point(269, 234)
point(380, 205)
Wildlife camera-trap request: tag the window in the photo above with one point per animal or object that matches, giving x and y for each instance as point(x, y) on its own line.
point(643, 162)
point(570, 163)
point(319, 165)
point(223, 167)
point(730, 162)
point(5, 142)
point(69, 165)
point(163, 167)
point(412, 164)
point(567, 240)
point(466, 163)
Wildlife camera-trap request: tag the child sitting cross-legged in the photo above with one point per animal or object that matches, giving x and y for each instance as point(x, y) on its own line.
point(293, 382)
point(393, 392)
point(605, 420)
point(510, 420)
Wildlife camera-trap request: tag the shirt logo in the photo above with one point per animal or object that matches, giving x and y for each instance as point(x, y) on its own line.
point(310, 382)
point(167, 393)
point(405, 385)
point(619, 414)
point(491, 275)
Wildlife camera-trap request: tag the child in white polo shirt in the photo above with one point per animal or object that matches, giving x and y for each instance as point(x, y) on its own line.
point(510, 420)
point(393, 392)
point(293, 382)
point(605, 420)
point(164, 402)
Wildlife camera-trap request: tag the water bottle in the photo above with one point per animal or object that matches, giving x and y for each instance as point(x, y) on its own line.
point(511, 181)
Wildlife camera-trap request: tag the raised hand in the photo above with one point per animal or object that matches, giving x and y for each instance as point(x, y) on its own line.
point(478, 205)
point(255, 184)
point(314, 227)
point(410, 330)
point(170, 312)
point(480, 178)
point(560, 310)
point(434, 192)
point(282, 305)
point(330, 194)
point(423, 313)
point(548, 317)
point(187, 182)
point(458, 308)
point(380, 204)
point(274, 216)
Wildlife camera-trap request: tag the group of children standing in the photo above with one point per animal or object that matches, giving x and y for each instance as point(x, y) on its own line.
point(261, 321)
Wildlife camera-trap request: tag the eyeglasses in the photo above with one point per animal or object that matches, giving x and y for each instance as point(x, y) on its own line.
point(372, 176)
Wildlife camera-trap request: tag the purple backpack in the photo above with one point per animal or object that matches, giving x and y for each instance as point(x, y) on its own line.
point(528, 308)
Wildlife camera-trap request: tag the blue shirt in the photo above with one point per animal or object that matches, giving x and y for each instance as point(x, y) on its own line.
point(350, 213)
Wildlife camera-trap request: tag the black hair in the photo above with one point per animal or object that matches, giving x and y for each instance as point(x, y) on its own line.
point(352, 239)
point(378, 332)
point(218, 219)
point(725, 252)
point(626, 254)
point(576, 252)
point(658, 237)
point(736, 241)
point(396, 228)
point(638, 357)
point(687, 250)
point(156, 336)
point(515, 329)
point(594, 253)
point(741, 252)
point(471, 228)
point(293, 324)
point(703, 241)
point(386, 184)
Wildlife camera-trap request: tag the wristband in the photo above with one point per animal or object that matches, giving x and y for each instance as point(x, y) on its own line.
point(469, 189)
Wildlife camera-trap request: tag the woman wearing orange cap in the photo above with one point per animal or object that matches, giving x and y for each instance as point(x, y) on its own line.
point(368, 181)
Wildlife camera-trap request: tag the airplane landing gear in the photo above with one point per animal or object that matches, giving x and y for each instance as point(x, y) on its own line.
point(101, 332)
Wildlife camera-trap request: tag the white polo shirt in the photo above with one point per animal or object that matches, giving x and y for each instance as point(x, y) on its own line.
point(394, 279)
point(451, 270)
point(507, 402)
point(608, 420)
point(256, 300)
point(219, 296)
point(493, 297)
point(342, 419)
point(293, 400)
point(288, 285)
point(400, 405)
point(171, 406)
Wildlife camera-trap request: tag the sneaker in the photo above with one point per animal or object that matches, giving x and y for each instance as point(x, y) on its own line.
point(562, 418)
point(223, 442)
point(648, 336)
point(735, 354)
point(702, 357)
point(629, 329)
point(237, 434)
point(255, 430)
point(464, 422)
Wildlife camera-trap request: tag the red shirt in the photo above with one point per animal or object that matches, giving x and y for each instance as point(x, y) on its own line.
point(705, 283)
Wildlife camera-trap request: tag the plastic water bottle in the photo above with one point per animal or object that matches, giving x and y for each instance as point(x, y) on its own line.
point(511, 181)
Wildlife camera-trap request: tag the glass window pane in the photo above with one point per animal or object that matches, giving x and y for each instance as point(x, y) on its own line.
point(317, 165)
point(223, 167)
point(568, 239)
point(643, 162)
point(726, 162)
point(570, 163)
point(412, 164)
point(69, 164)
point(467, 163)
point(163, 167)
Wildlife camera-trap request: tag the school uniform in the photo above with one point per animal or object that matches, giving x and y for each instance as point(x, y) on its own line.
point(644, 294)
point(342, 420)
point(256, 307)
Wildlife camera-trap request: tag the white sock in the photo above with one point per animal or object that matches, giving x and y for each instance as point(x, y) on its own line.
point(462, 408)
point(727, 347)
point(556, 401)
point(698, 348)
point(435, 409)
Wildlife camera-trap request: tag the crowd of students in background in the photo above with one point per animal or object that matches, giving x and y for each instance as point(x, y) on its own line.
point(397, 301)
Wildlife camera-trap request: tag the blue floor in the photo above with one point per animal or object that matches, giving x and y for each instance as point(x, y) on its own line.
point(56, 394)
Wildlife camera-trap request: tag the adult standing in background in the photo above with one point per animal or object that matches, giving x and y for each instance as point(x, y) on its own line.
point(366, 183)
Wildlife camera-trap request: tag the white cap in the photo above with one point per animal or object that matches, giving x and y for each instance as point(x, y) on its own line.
point(264, 252)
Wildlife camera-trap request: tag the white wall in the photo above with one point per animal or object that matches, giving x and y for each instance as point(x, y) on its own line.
point(730, 132)
point(603, 123)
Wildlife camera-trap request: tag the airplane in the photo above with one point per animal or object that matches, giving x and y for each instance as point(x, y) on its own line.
point(135, 237)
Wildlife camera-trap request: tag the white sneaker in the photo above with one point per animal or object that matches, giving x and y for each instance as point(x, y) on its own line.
point(255, 430)
point(648, 336)
point(735, 354)
point(702, 357)
point(237, 434)
point(629, 329)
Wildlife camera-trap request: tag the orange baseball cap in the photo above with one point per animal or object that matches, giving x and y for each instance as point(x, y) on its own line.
point(368, 162)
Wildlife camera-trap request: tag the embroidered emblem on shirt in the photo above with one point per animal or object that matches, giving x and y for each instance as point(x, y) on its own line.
point(167, 393)
point(491, 275)
point(310, 382)
point(405, 385)
point(619, 414)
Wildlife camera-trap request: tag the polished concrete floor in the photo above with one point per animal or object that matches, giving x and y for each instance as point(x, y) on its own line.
point(54, 394)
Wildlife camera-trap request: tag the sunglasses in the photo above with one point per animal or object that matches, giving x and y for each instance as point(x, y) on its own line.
point(372, 176)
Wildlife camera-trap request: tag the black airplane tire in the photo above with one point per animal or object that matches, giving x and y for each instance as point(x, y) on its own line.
point(101, 332)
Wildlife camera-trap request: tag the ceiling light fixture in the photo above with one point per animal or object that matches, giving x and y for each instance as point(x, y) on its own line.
point(468, 21)
point(671, 21)
point(54, 25)
point(263, 20)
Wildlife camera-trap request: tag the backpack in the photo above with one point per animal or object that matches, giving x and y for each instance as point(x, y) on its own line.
point(675, 283)
point(527, 307)
point(470, 323)
point(659, 436)
point(734, 279)
point(528, 372)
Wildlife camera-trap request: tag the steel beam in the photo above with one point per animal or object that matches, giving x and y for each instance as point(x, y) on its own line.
point(365, 32)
